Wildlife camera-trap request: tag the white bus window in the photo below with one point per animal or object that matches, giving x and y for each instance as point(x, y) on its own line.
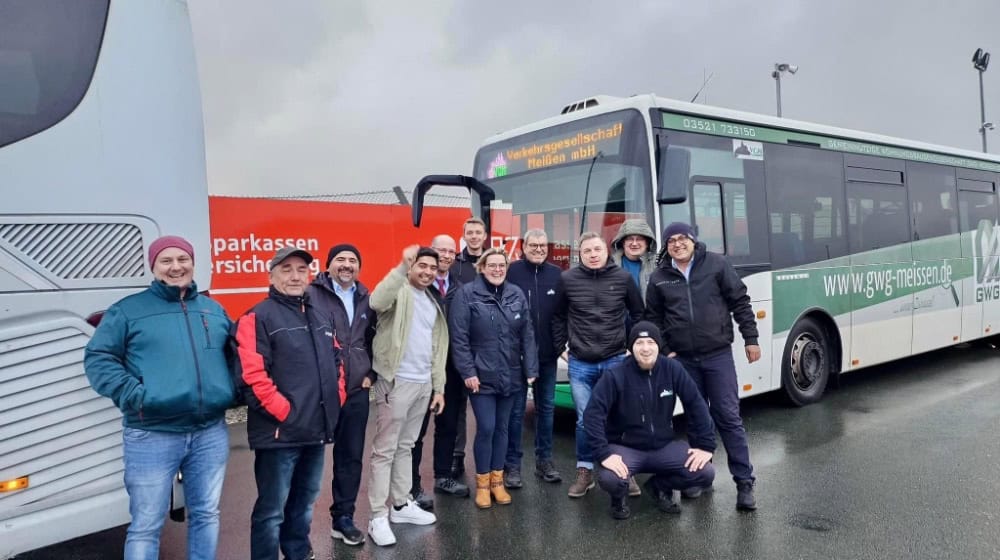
point(45, 74)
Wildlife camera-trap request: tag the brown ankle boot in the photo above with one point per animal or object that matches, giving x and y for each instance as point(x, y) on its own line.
point(483, 491)
point(496, 487)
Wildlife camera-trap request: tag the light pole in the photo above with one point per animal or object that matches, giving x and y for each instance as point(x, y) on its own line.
point(980, 60)
point(780, 67)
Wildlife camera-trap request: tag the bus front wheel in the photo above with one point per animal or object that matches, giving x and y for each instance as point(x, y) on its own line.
point(805, 367)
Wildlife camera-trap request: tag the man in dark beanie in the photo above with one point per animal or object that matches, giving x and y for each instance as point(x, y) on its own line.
point(693, 297)
point(629, 422)
point(337, 293)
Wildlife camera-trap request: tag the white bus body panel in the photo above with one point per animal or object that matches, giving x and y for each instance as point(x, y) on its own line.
point(127, 165)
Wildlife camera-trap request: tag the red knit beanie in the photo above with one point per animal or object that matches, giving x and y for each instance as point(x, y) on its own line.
point(166, 242)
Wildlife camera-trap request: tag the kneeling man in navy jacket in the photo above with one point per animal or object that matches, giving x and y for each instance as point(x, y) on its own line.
point(629, 422)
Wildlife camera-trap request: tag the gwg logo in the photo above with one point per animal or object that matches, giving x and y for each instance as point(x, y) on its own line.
point(986, 249)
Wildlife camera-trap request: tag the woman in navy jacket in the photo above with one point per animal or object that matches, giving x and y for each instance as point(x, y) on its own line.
point(493, 347)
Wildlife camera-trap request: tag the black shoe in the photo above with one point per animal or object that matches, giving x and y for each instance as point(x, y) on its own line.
point(664, 498)
point(422, 500)
point(344, 529)
point(451, 487)
point(457, 467)
point(695, 491)
point(547, 472)
point(512, 477)
point(744, 496)
point(619, 508)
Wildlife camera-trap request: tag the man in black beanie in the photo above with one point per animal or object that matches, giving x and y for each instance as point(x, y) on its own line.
point(693, 297)
point(338, 294)
point(629, 422)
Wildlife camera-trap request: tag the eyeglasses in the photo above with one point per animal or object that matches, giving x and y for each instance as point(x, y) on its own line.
point(535, 246)
point(678, 240)
point(495, 266)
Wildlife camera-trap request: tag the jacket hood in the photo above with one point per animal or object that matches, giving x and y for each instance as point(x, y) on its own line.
point(634, 227)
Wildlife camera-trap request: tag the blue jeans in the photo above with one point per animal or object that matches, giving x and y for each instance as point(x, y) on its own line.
point(544, 393)
point(288, 482)
point(492, 418)
point(152, 459)
point(715, 376)
point(582, 378)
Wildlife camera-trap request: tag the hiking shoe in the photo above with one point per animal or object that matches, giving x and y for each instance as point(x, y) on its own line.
point(619, 508)
point(664, 498)
point(411, 513)
point(547, 472)
point(633, 488)
point(422, 500)
point(344, 529)
point(584, 482)
point(512, 477)
point(380, 532)
point(451, 487)
point(695, 491)
point(745, 500)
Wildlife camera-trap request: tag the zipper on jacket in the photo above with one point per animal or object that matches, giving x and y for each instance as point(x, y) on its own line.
point(319, 374)
point(208, 339)
point(277, 431)
point(652, 401)
point(194, 352)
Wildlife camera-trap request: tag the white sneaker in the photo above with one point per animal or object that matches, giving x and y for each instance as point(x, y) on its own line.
point(411, 513)
point(379, 531)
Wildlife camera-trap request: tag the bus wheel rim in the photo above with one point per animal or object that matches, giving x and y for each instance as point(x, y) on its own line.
point(806, 361)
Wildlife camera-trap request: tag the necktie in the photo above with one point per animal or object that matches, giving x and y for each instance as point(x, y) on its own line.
point(441, 287)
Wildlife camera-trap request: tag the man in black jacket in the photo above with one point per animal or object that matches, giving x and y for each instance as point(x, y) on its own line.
point(338, 294)
point(629, 422)
point(597, 302)
point(290, 374)
point(540, 282)
point(693, 297)
point(451, 421)
point(474, 235)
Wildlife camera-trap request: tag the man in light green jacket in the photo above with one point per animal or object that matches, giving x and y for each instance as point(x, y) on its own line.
point(410, 350)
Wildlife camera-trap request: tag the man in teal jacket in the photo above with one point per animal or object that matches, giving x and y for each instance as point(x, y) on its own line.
point(160, 355)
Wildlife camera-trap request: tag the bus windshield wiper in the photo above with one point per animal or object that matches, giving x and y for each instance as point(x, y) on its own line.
point(586, 192)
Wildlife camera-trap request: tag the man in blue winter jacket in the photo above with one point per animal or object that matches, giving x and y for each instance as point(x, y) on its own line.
point(160, 355)
point(629, 422)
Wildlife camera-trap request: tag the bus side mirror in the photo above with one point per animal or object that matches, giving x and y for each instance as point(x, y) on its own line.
point(674, 171)
point(479, 190)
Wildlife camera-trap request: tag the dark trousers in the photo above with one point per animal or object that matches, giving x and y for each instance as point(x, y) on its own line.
point(666, 464)
point(348, 451)
point(544, 395)
point(492, 418)
point(446, 429)
point(288, 482)
point(715, 375)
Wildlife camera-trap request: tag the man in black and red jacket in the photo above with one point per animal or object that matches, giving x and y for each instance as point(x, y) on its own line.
point(290, 374)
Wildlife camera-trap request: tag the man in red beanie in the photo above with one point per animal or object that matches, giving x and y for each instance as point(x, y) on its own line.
point(160, 356)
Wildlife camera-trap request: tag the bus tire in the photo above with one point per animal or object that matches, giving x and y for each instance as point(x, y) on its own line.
point(805, 366)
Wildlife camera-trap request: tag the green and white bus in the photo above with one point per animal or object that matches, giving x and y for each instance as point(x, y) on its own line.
point(857, 249)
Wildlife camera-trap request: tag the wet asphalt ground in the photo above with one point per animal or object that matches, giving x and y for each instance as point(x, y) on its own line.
point(899, 461)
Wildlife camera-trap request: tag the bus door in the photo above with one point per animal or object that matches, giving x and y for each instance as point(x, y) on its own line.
point(725, 204)
point(980, 246)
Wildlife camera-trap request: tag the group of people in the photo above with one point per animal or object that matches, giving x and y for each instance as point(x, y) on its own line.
point(443, 331)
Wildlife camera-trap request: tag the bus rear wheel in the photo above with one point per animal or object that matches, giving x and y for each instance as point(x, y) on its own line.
point(805, 367)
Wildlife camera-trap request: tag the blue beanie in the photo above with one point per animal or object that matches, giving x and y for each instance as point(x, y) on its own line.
point(678, 228)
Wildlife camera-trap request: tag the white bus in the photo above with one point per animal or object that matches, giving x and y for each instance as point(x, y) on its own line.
point(857, 249)
point(101, 151)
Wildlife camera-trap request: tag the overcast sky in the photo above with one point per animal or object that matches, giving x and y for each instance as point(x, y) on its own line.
point(324, 96)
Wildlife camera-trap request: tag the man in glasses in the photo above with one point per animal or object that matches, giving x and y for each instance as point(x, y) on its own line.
point(693, 298)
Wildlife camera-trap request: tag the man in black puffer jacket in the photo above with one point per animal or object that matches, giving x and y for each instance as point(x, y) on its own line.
point(290, 374)
point(629, 422)
point(693, 297)
point(598, 301)
point(337, 294)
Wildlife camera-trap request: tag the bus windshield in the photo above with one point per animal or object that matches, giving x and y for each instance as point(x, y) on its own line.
point(586, 175)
